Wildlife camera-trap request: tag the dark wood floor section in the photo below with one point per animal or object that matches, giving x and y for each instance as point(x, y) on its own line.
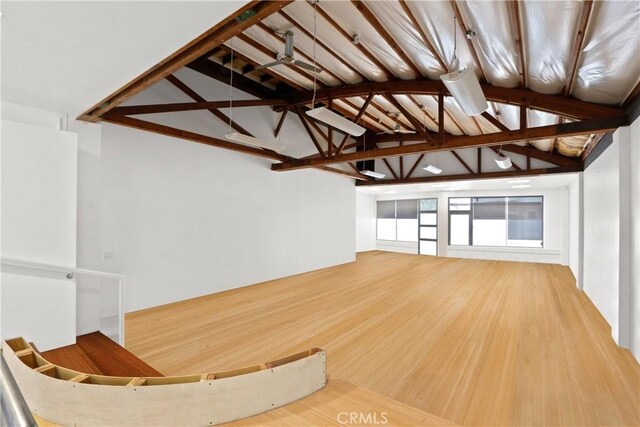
point(95, 353)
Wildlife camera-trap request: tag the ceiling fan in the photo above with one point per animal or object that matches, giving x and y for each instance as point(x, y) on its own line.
point(288, 59)
point(396, 127)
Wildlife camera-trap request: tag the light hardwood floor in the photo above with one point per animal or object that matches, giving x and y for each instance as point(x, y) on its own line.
point(475, 342)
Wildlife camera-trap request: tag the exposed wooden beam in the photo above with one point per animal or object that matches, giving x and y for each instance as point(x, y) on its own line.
point(217, 35)
point(196, 97)
point(221, 73)
point(555, 140)
point(270, 71)
point(479, 157)
point(546, 156)
point(195, 137)
point(386, 162)
point(374, 120)
point(472, 48)
point(424, 110)
point(363, 109)
point(299, 52)
point(415, 165)
point(349, 38)
point(330, 145)
point(516, 25)
point(441, 116)
point(461, 160)
point(554, 104)
point(190, 106)
point(305, 123)
point(497, 123)
point(466, 141)
point(594, 142)
point(423, 35)
point(386, 113)
point(320, 43)
point(401, 160)
point(585, 14)
point(266, 51)
point(384, 34)
point(523, 117)
point(280, 123)
point(414, 122)
point(465, 176)
point(216, 142)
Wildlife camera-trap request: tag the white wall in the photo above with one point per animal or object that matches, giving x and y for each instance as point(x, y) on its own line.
point(556, 207)
point(38, 225)
point(576, 220)
point(365, 222)
point(611, 242)
point(634, 234)
point(182, 220)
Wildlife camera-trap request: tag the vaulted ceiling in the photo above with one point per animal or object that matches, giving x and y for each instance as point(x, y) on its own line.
point(557, 76)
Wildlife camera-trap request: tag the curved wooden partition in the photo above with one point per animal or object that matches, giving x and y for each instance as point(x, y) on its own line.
point(68, 397)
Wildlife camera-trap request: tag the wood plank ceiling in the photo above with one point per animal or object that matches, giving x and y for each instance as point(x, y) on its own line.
point(380, 69)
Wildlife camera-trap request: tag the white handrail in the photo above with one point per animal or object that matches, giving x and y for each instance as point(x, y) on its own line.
point(57, 268)
point(69, 274)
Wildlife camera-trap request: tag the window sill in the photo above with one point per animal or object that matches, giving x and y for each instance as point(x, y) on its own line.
point(504, 249)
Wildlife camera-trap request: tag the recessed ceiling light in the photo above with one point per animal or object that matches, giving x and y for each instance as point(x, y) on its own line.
point(519, 181)
point(521, 186)
point(433, 169)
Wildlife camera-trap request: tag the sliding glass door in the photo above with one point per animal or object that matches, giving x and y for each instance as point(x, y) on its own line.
point(428, 227)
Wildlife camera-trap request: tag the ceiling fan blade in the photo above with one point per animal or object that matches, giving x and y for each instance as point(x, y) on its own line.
point(306, 66)
point(405, 131)
point(270, 64)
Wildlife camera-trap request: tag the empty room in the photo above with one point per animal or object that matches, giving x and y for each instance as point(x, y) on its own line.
point(320, 213)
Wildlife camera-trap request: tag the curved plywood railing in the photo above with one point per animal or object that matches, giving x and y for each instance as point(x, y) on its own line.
point(68, 397)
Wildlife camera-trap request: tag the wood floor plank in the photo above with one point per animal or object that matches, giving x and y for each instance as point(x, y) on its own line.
point(95, 353)
point(473, 342)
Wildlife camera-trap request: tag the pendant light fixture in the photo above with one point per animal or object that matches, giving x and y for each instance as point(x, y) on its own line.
point(323, 114)
point(433, 169)
point(503, 162)
point(373, 174)
point(464, 85)
point(327, 116)
point(238, 137)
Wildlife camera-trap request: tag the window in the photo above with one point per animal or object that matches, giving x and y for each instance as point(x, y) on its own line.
point(496, 221)
point(397, 220)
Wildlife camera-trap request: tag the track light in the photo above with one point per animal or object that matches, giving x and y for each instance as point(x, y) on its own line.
point(254, 142)
point(335, 120)
point(465, 89)
point(433, 169)
point(373, 174)
point(503, 161)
